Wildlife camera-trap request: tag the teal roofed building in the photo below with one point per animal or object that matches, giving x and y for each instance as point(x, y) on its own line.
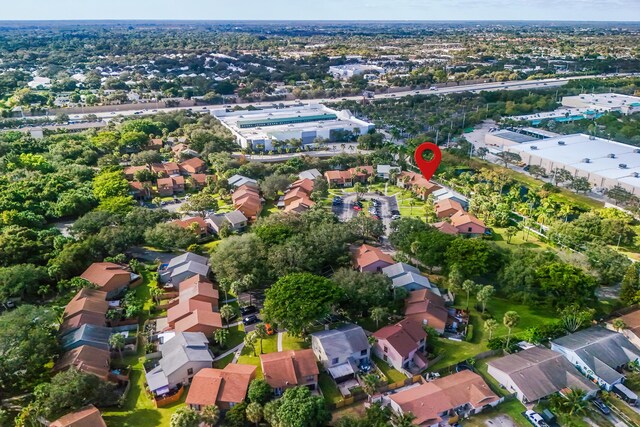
point(91, 335)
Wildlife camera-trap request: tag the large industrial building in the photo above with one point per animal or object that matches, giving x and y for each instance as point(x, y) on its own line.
point(604, 102)
point(253, 129)
point(603, 162)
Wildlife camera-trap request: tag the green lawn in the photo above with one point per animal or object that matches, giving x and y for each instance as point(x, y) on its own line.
point(247, 358)
point(138, 409)
point(236, 336)
point(513, 408)
point(293, 343)
point(370, 325)
point(521, 240)
point(329, 388)
point(210, 246)
point(220, 364)
point(393, 375)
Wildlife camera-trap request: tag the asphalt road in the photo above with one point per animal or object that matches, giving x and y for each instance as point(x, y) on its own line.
point(511, 85)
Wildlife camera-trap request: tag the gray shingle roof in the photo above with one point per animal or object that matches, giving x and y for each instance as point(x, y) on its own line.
point(191, 267)
point(185, 258)
point(410, 278)
point(399, 269)
point(95, 336)
point(342, 341)
point(183, 348)
point(539, 372)
point(601, 350)
point(236, 217)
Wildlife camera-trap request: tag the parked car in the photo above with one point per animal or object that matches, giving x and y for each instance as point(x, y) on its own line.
point(250, 320)
point(536, 419)
point(395, 217)
point(357, 208)
point(602, 407)
point(250, 309)
point(269, 329)
point(395, 212)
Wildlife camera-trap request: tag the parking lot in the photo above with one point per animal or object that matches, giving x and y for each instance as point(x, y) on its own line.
point(346, 210)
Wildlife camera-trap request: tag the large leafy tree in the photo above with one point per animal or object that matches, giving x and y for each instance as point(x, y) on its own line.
point(299, 408)
point(362, 291)
point(238, 256)
point(185, 417)
point(474, 257)
point(110, 184)
point(298, 299)
point(259, 391)
point(564, 284)
point(630, 285)
point(27, 344)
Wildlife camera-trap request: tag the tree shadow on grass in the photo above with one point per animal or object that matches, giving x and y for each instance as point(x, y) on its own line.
point(138, 418)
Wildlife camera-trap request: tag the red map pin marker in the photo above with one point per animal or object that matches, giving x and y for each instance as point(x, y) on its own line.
point(428, 167)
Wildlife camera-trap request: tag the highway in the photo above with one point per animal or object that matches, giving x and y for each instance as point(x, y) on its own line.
point(510, 85)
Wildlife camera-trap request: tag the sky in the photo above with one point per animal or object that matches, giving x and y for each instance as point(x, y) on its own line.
point(556, 10)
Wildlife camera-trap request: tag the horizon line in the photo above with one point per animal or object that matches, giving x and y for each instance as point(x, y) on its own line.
point(311, 20)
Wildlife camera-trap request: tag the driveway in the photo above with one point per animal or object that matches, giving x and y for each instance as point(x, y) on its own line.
point(345, 212)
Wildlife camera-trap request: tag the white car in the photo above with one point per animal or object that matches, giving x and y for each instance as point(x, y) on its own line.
point(536, 419)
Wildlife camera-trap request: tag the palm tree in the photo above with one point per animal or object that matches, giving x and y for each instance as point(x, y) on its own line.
point(510, 232)
point(227, 312)
point(469, 286)
point(369, 384)
point(185, 417)
point(490, 325)
point(250, 341)
point(254, 412)
point(156, 293)
point(261, 333)
point(575, 403)
point(221, 336)
point(510, 320)
point(618, 325)
point(484, 295)
point(412, 203)
point(210, 414)
point(225, 285)
point(378, 314)
point(116, 341)
point(403, 420)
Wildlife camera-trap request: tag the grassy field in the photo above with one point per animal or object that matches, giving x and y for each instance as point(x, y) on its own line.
point(269, 345)
point(393, 375)
point(293, 343)
point(329, 389)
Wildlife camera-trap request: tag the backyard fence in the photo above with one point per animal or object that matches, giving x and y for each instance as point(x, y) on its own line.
point(169, 399)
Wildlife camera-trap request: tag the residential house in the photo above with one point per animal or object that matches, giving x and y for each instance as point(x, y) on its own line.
point(311, 174)
point(299, 206)
point(155, 144)
point(183, 267)
point(111, 278)
point(361, 173)
point(341, 351)
point(200, 180)
point(536, 373)
point(178, 149)
point(130, 171)
point(87, 334)
point(417, 184)
point(88, 306)
point(445, 400)
point(184, 308)
point(427, 308)
point(447, 208)
point(201, 227)
point(170, 186)
point(290, 368)
point(87, 359)
point(238, 181)
point(385, 171)
point(165, 169)
point(205, 321)
point(407, 277)
point(183, 356)
point(402, 345)
point(631, 328)
point(598, 353)
point(337, 179)
point(297, 198)
point(236, 221)
point(88, 416)
point(192, 166)
point(140, 190)
point(247, 200)
point(223, 388)
point(199, 288)
point(446, 228)
point(372, 259)
point(441, 194)
point(467, 224)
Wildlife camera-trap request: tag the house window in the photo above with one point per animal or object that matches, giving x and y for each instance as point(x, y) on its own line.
point(334, 361)
point(190, 371)
point(469, 229)
point(386, 349)
point(363, 352)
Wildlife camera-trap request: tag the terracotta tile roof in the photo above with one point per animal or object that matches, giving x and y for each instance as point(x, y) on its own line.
point(183, 309)
point(340, 176)
point(404, 336)
point(632, 321)
point(85, 417)
point(107, 276)
point(192, 281)
point(78, 320)
point(461, 218)
point(165, 182)
point(200, 178)
point(201, 290)
point(186, 223)
point(364, 171)
point(244, 191)
point(288, 368)
point(193, 164)
point(87, 359)
point(448, 204)
point(296, 193)
point(367, 255)
point(305, 184)
point(230, 384)
point(88, 301)
point(131, 170)
point(430, 399)
point(423, 304)
point(299, 205)
point(446, 227)
point(198, 320)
